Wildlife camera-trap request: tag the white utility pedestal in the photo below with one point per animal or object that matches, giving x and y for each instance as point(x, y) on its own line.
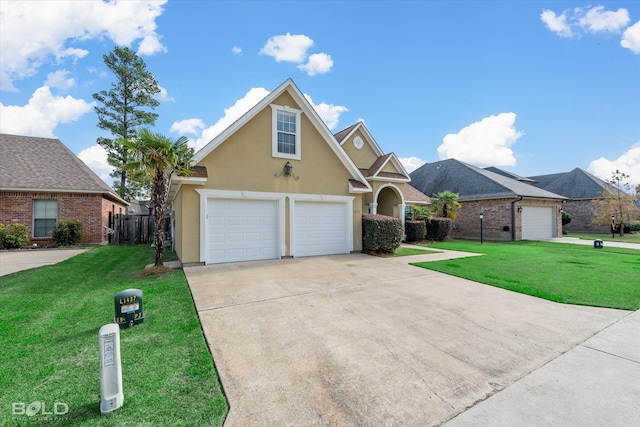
point(111, 395)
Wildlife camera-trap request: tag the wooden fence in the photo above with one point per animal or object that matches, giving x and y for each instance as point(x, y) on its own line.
point(131, 229)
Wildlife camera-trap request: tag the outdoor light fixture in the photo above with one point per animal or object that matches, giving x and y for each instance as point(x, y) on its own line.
point(613, 226)
point(481, 231)
point(519, 209)
point(288, 167)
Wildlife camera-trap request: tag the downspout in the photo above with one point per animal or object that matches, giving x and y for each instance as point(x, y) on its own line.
point(513, 218)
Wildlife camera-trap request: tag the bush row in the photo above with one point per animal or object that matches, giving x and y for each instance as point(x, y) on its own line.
point(380, 233)
point(65, 233)
point(433, 229)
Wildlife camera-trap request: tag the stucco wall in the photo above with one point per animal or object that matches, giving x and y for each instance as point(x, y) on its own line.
point(363, 158)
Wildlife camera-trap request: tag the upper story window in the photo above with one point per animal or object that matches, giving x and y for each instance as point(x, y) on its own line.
point(286, 132)
point(45, 215)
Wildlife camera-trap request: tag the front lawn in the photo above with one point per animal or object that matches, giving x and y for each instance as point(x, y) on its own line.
point(572, 274)
point(49, 341)
point(627, 238)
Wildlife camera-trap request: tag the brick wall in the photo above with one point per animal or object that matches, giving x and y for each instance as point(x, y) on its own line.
point(91, 209)
point(582, 213)
point(499, 223)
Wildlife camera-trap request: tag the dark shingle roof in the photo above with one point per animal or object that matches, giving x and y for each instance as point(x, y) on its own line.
point(344, 132)
point(45, 164)
point(576, 184)
point(509, 174)
point(471, 182)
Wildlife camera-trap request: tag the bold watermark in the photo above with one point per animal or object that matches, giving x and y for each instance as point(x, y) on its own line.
point(40, 410)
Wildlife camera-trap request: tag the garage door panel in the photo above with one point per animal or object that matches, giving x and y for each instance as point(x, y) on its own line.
point(538, 222)
point(241, 230)
point(320, 228)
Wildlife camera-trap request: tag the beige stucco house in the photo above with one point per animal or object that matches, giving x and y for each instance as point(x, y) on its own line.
point(277, 183)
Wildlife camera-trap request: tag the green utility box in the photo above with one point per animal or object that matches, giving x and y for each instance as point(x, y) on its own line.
point(597, 244)
point(129, 308)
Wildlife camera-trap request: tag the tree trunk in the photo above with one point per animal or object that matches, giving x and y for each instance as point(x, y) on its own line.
point(158, 211)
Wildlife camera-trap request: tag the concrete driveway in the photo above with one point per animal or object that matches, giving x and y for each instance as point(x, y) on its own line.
point(361, 340)
point(13, 261)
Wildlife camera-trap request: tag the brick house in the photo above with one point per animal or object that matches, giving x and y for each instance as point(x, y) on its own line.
point(512, 209)
point(582, 191)
point(42, 182)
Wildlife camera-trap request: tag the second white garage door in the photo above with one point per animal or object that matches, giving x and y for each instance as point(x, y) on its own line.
point(241, 230)
point(538, 222)
point(320, 228)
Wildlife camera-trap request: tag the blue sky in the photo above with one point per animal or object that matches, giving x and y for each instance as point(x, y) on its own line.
point(533, 87)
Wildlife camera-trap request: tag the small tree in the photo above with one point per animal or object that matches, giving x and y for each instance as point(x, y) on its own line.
point(159, 157)
point(122, 111)
point(446, 204)
point(617, 201)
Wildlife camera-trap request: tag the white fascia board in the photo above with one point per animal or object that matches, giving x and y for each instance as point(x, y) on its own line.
point(370, 140)
point(354, 190)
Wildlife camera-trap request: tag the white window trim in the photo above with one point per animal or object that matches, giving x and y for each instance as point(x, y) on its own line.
point(274, 131)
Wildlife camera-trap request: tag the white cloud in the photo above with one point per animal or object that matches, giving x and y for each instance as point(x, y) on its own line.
point(483, 143)
point(163, 95)
point(32, 33)
point(236, 50)
point(189, 126)
point(318, 63)
point(95, 157)
point(597, 19)
point(42, 114)
point(329, 113)
point(556, 23)
point(288, 47)
point(628, 162)
point(58, 79)
point(631, 38)
point(231, 114)
point(411, 163)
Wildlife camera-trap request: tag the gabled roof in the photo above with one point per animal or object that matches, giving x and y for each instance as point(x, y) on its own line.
point(30, 163)
point(375, 170)
point(311, 114)
point(472, 182)
point(576, 184)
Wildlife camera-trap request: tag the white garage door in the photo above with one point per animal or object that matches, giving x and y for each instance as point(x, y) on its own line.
point(320, 228)
point(241, 230)
point(538, 222)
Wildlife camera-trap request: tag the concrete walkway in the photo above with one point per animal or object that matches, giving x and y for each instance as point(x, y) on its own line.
point(13, 261)
point(359, 340)
point(577, 241)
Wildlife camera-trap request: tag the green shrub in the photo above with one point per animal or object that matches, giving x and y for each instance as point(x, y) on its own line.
point(438, 228)
point(380, 233)
point(632, 227)
point(67, 232)
point(415, 230)
point(566, 218)
point(13, 236)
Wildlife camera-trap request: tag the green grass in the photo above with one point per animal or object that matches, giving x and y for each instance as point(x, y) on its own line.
point(627, 238)
point(571, 274)
point(403, 251)
point(49, 342)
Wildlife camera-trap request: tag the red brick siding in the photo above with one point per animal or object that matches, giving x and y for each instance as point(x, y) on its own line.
point(17, 207)
point(582, 213)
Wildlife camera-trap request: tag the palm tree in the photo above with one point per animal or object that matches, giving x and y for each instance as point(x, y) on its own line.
point(447, 204)
point(159, 157)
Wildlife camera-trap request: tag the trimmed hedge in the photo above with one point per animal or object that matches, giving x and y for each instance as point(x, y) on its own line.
point(13, 236)
point(380, 233)
point(67, 232)
point(438, 228)
point(415, 230)
point(632, 227)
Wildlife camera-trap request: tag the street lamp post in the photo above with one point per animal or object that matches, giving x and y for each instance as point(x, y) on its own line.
point(481, 226)
point(613, 226)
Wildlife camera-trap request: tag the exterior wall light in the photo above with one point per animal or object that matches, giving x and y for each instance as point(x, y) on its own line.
point(288, 167)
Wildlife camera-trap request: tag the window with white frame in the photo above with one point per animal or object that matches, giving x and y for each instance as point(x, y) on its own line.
point(286, 132)
point(45, 215)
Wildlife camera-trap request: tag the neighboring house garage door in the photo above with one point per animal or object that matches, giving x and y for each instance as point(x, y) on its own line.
point(320, 228)
point(538, 222)
point(241, 230)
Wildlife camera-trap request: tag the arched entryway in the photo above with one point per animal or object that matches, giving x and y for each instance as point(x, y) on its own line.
point(389, 201)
